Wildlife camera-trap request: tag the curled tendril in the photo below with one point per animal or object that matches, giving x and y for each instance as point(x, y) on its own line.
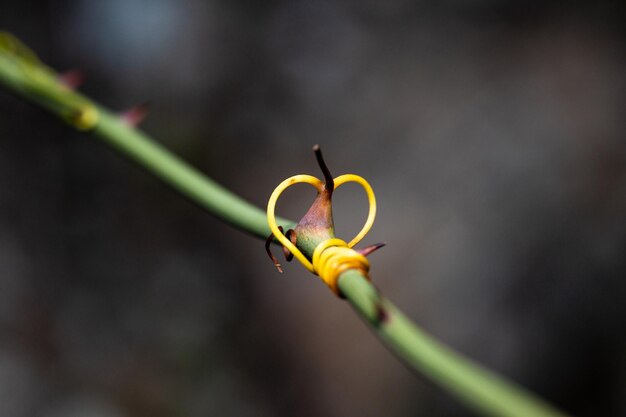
point(332, 256)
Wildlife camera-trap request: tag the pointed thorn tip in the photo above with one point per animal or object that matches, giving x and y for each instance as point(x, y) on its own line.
point(72, 79)
point(368, 250)
point(328, 178)
point(135, 115)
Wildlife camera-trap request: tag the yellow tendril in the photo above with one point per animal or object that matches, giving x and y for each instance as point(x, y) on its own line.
point(371, 199)
point(332, 256)
point(271, 216)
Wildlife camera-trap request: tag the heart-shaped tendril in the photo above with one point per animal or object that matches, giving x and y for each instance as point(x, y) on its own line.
point(332, 256)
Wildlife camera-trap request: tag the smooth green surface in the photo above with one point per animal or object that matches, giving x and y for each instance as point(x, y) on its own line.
point(479, 389)
point(193, 184)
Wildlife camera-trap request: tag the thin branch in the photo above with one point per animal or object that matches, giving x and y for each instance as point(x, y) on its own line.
point(481, 390)
point(35, 82)
point(477, 387)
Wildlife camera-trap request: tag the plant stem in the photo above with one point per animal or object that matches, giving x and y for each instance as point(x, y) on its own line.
point(189, 181)
point(32, 80)
point(480, 389)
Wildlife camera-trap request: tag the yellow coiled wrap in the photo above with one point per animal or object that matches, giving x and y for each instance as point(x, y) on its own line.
point(334, 256)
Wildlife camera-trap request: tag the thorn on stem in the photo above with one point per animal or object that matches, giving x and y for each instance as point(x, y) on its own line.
point(268, 242)
point(382, 316)
point(328, 178)
point(72, 79)
point(135, 115)
point(291, 235)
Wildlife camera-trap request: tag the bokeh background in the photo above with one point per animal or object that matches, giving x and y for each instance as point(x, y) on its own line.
point(492, 132)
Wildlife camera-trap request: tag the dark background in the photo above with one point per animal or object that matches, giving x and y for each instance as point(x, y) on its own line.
point(492, 133)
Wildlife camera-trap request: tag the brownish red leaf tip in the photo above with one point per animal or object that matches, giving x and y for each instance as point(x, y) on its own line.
point(135, 115)
point(72, 79)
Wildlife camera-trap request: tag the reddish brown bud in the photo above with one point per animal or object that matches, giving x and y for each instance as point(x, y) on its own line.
point(369, 249)
point(72, 79)
point(135, 115)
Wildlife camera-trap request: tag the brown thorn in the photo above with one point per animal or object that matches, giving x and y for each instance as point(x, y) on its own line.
point(382, 316)
point(366, 251)
point(328, 178)
point(268, 242)
point(291, 235)
point(72, 79)
point(135, 115)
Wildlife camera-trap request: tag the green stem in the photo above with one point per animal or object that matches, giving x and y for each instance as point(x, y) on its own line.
point(480, 389)
point(190, 182)
point(30, 79)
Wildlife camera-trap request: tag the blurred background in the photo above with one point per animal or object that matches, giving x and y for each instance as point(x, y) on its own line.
point(491, 131)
